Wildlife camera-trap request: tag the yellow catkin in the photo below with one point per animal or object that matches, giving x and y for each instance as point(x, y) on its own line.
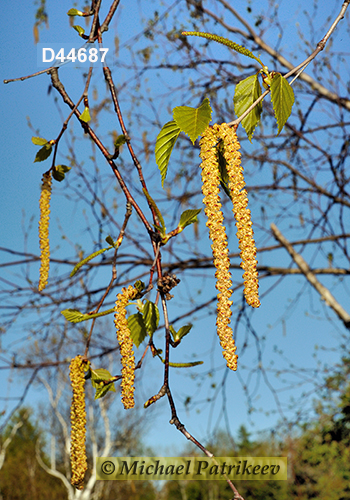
point(126, 346)
point(78, 423)
point(44, 204)
point(239, 197)
point(217, 234)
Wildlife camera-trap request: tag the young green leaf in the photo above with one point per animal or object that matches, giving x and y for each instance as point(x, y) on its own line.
point(162, 228)
point(59, 171)
point(85, 116)
point(75, 316)
point(164, 145)
point(139, 285)
point(102, 391)
point(137, 327)
point(109, 240)
point(184, 330)
point(79, 29)
point(98, 376)
point(193, 121)
point(120, 140)
point(224, 178)
point(224, 41)
point(188, 217)
point(74, 12)
point(282, 97)
point(43, 153)
point(39, 141)
point(246, 93)
point(150, 315)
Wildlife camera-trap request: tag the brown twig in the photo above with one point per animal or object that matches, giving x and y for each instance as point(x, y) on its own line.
point(180, 427)
point(109, 17)
point(331, 96)
point(309, 275)
point(57, 84)
point(109, 80)
point(114, 273)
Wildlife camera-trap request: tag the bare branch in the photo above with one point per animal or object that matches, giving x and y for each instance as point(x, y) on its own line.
point(309, 275)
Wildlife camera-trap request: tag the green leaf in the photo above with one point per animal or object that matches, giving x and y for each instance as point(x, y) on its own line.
point(282, 97)
point(224, 41)
point(102, 391)
point(139, 285)
point(150, 315)
point(224, 178)
point(79, 29)
point(184, 330)
point(246, 93)
point(74, 12)
point(43, 153)
point(100, 375)
point(164, 145)
point(137, 328)
point(39, 141)
point(120, 140)
point(75, 316)
point(85, 116)
point(162, 228)
point(87, 259)
point(188, 217)
point(193, 121)
point(109, 240)
point(59, 172)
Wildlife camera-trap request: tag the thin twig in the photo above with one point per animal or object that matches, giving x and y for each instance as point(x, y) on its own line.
point(308, 79)
point(114, 273)
point(309, 275)
point(57, 84)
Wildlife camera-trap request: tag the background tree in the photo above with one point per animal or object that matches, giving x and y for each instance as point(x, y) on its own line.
point(21, 476)
point(320, 456)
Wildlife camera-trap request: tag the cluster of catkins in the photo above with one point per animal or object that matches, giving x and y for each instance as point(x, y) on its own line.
point(215, 137)
point(212, 138)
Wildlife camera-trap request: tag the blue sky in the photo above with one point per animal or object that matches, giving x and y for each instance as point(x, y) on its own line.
point(297, 335)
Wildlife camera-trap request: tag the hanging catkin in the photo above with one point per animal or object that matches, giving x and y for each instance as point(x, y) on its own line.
point(44, 204)
point(78, 423)
point(241, 213)
point(126, 345)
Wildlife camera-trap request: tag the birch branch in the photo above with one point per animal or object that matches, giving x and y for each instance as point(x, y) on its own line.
point(309, 275)
point(323, 91)
point(7, 442)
